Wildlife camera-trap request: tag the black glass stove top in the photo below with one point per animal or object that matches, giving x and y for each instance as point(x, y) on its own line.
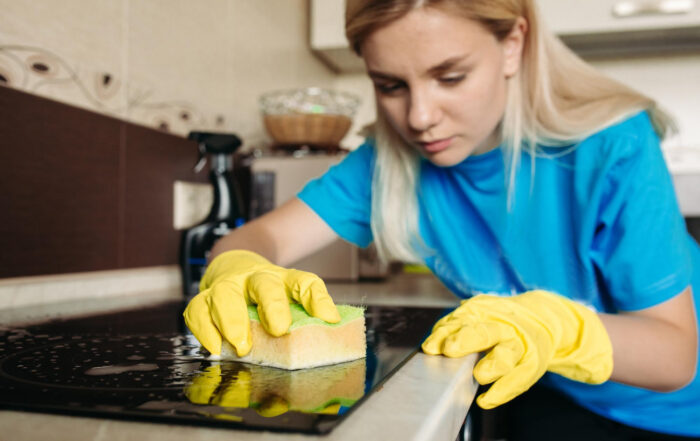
point(145, 365)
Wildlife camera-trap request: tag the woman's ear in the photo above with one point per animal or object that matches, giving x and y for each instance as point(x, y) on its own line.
point(513, 47)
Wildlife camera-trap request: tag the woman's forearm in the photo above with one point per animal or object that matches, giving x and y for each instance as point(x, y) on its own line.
point(282, 236)
point(655, 348)
point(250, 237)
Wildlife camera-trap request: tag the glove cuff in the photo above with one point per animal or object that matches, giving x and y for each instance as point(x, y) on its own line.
point(583, 351)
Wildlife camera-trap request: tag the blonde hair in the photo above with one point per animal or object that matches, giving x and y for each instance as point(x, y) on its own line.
point(555, 99)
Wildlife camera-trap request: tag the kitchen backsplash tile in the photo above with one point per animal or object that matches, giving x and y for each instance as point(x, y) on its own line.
point(51, 49)
point(152, 163)
point(58, 172)
point(81, 191)
point(179, 64)
point(175, 65)
point(85, 33)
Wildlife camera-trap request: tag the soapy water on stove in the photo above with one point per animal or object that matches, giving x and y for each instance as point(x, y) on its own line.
point(161, 373)
point(156, 369)
point(120, 369)
point(159, 361)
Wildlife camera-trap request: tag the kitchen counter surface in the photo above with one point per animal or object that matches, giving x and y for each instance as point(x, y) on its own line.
point(427, 399)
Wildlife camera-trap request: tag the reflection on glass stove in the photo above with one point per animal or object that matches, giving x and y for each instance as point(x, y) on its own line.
point(272, 392)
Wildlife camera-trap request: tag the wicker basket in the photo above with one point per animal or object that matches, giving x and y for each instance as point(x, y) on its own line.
point(311, 116)
point(310, 128)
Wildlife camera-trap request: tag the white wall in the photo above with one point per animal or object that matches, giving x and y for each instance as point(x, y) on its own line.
point(359, 84)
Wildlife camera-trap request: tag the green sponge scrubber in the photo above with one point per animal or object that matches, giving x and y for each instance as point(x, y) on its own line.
point(310, 341)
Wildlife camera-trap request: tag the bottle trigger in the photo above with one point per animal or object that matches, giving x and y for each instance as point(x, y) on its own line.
point(202, 160)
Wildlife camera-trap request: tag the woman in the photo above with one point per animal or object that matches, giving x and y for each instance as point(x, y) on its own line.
point(510, 167)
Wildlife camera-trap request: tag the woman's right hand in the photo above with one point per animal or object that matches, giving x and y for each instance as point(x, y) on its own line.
point(239, 278)
point(524, 336)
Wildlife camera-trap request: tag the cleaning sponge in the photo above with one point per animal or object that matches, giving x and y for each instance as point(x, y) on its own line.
point(310, 342)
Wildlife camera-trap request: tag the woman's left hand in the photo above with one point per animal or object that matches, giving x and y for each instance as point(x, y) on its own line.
point(525, 336)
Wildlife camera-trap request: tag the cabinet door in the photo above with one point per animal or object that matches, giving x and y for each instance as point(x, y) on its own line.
point(328, 24)
point(328, 36)
point(571, 17)
point(589, 27)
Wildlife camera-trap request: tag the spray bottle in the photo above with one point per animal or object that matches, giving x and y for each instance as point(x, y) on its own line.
point(226, 212)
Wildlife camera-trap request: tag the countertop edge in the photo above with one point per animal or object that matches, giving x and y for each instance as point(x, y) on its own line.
point(412, 411)
point(21, 292)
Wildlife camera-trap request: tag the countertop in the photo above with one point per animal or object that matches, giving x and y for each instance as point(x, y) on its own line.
point(427, 399)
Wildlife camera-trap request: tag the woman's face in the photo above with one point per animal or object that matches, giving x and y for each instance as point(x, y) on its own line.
point(440, 80)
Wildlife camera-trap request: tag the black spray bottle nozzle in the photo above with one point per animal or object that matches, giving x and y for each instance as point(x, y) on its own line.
point(227, 211)
point(211, 143)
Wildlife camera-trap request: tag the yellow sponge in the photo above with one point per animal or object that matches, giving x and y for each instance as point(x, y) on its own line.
point(310, 342)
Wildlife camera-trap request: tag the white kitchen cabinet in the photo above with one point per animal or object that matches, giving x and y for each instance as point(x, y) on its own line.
point(328, 36)
point(624, 27)
point(590, 27)
point(576, 17)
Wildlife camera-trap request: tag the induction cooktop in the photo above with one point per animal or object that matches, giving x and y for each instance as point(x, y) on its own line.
point(145, 365)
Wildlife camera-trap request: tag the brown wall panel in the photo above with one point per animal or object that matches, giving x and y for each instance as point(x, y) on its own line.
point(154, 161)
point(80, 191)
point(58, 201)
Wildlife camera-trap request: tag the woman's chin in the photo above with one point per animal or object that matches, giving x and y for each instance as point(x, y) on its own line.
point(445, 158)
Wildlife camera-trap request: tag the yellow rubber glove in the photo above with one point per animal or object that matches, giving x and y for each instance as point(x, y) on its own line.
point(525, 335)
point(236, 279)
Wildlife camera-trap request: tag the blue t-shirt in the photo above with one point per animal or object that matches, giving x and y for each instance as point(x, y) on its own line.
point(597, 222)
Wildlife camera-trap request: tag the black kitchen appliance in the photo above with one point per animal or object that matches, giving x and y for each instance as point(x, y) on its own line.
point(144, 365)
point(227, 211)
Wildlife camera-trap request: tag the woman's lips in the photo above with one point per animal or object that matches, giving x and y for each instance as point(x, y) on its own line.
point(436, 146)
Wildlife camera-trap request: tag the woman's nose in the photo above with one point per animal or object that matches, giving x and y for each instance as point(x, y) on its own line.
point(423, 111)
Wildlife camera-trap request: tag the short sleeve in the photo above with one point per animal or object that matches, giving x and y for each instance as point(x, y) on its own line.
point(342, 196)
point(640, 247)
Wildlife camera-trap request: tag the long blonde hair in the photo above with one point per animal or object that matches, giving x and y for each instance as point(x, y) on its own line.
point(555, 99)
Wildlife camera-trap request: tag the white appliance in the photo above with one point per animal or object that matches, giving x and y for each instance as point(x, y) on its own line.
point(286, 175)
point(684, 165)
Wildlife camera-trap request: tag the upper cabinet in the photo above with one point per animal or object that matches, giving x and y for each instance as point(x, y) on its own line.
point(567, 17)
point(591, 27)
point(328, 36)
point(624, 27)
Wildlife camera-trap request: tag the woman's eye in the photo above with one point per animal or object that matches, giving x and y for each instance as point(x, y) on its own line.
point(389, 88)
point(455, 79)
